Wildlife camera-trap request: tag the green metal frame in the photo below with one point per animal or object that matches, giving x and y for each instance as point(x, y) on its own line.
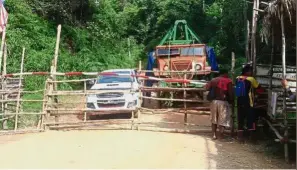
point(170, 37)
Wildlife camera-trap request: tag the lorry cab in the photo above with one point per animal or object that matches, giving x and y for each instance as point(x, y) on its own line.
point(192, 58)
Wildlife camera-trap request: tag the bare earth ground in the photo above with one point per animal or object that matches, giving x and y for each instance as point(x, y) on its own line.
point(131, 149)
point(127, 149)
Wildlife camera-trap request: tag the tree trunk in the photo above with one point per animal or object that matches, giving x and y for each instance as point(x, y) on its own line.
point(284, 77)
point(247, 31)
point(254, 31)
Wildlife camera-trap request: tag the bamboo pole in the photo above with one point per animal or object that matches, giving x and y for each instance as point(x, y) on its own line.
point(44, 104)
point(2, 46)
point(296, 77)
point(85, 105)
point(172, 99)
point(4, 84)
point(148, 89)
point(57, 48)
point(24, 113)
point(19, 92)
point(271, 71)
point(247, 42)
point(233, 81)
point(53, 86)
point(4, 124)
point(140, 98)
point(254, 32)
point(72, 81)
point(284, 77)
point(15, 100)
point(185, 103)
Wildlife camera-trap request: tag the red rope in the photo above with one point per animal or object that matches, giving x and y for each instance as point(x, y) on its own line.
point(73, 74)
point(40, 73)
point(108, 74)
point(8, 75)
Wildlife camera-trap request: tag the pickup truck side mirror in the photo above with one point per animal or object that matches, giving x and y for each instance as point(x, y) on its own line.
point(91, 82)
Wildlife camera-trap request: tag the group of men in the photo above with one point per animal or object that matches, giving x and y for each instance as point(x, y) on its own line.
point(222, 95)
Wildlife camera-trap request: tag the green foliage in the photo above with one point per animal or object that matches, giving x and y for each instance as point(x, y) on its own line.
point(95, 35)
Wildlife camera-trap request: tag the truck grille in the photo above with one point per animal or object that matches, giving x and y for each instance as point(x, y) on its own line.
point(110, 95)
point(181, 65)
point(110, 105)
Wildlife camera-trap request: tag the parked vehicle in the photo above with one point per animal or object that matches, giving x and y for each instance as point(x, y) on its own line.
point(183, 52)
point(180, 51)
point(120, 92)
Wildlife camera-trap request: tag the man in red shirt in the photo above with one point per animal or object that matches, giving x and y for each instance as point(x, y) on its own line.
point(221, 96)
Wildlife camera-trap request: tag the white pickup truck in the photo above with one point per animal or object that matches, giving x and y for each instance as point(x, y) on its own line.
point(120, 92)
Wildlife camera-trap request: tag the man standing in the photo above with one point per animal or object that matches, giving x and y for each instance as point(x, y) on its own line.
point(244, 90)
point(221, 96)
point(292, 96)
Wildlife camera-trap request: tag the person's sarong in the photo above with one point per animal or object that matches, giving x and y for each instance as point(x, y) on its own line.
point(220, 113)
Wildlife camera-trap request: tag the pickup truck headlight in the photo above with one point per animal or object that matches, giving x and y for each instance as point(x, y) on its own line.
point(90, 106)
point(92, 95)
point(132, 104)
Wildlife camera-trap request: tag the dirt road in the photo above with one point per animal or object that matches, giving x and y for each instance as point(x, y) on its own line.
point(126, 149)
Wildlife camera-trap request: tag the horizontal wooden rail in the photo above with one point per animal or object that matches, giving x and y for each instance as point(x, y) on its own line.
point(22, 113)
point(10, 100)
point(151, 89)
point(192, 72)
point(110, 121)
point(89, 110)
point(177, 100)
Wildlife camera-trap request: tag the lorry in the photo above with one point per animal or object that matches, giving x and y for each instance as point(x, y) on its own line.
point(181, 55)
point(183, 52)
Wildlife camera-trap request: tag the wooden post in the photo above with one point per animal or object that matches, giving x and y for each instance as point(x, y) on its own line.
point(271, 59)
point(53, 86)
point(19, 92)
point(271, 72)
point(247, 42)
point(140, 99)
point(85, 103)
point(57, 48)
point(2, 46)
point(254, 32)
point(4, 84)
point(185, 103)
point(284, 77)
point(233, 80)
point(44, 105)
point(133, 113)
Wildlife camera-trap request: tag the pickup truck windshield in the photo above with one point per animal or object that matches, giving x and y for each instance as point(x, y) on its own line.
point(114, 79)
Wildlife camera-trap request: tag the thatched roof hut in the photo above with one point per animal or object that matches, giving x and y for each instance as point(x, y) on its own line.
point(271, 26)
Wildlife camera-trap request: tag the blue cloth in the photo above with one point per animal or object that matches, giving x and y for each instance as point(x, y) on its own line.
point(212, 60)
point(150, 66)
